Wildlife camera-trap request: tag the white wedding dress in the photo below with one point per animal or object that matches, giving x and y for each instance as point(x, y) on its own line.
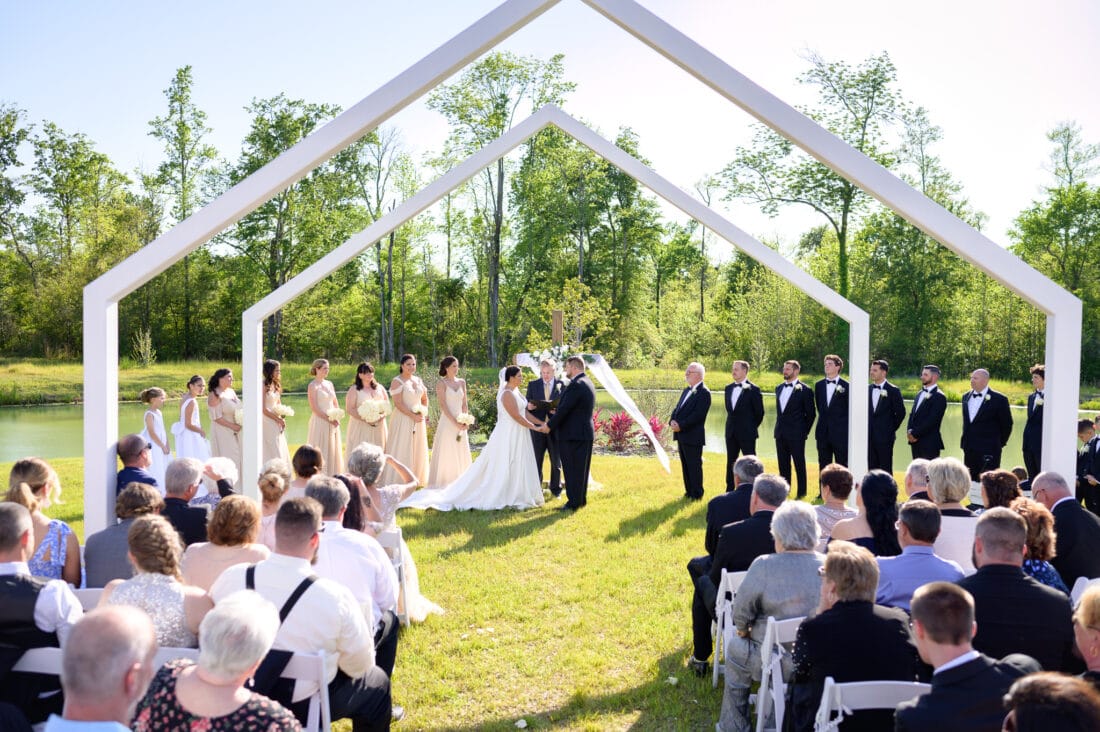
point(503, 476)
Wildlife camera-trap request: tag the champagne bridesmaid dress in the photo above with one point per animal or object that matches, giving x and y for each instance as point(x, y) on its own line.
point(408, 440)
point(358, 430)
point(323, 434)
point(451, 447)
point(274, 438)
point(224, 442)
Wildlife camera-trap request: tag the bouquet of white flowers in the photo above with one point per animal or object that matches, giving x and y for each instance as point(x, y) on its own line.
point(335, 413)
point(419, 409)
point(283, 411)
point(372, 410)
point(238, 416)
point(467, 419)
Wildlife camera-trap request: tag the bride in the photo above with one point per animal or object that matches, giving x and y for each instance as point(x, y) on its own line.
point(504, 474)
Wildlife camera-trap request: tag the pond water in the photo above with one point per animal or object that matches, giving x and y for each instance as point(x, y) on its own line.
point(56, 431)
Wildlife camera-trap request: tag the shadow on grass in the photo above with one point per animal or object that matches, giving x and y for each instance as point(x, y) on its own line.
point(648, 521)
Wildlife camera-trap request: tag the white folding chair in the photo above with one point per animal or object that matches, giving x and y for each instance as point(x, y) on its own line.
point(773, 686)
point(844, 699)
point(391, 542)
point(311, 667)
point(723, 613)
point(1079, 587)
point(89, 597)
point(48, 660)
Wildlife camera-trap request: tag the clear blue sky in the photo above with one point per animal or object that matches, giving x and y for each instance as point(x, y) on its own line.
point(995, 75)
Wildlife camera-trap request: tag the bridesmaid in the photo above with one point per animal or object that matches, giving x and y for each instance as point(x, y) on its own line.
point(225, 439)
point(451, 447)
point(408, 436)
point(274, 424)
point(364, 389)
point(190, 437)
point(324, 431)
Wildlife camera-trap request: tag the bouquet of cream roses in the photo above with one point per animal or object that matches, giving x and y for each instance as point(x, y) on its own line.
point(335, 413)
point(238, 416)
point(419, 409)
point(372, 410)
point(283, 411)
point(465, 418)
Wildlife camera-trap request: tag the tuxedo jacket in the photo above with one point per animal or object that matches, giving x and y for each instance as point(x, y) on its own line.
point(740, 543)
point(992, 425)
point(1077, 547)
point(691, 415)
point(190, 521)
point(832, 418)
point(884, 420)
point(728, 508)
point(965, 698)
point(572, 420)
point(743, 422)
point(536, 392)
point(926, 418)
point(1033, 428)
point(794, 422)
point(1088, 462)
point(1017, 614)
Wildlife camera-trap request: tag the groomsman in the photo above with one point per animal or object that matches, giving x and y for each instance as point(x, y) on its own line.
point(744, 413)
point(546, 389)
point(987, 423)
point(1088, 458)
point(831, 398)
point(1033, 428)
point(688, 424)
point(923, 430)
point(885, 415)
point(794, 416)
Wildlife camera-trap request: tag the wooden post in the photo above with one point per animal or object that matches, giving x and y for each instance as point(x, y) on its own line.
point(557, 327)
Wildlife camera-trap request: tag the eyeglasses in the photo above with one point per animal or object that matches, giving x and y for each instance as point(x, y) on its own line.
point(148, 446)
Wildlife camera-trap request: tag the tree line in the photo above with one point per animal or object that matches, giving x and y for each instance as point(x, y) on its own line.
point(555, 228)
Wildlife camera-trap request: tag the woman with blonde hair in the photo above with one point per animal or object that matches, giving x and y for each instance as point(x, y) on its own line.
point(34, 484)
point(233, 530)
point(324, 418)
point(948, 485)
point(1040, 542)
point(1086, 632)
point(274, 482)
point(157, 585)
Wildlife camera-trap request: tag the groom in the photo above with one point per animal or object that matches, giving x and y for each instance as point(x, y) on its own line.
point(572, 425)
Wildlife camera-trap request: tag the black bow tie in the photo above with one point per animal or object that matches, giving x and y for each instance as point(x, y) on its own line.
point(830, 381)
point(883, 388)
point(929, 390)
point(1039, 394)
point(737, 386)
point(786, 386)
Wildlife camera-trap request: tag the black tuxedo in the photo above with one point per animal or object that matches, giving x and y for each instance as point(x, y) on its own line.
point(1077, 548)
point(924, 424)
point(1033, 436)
point(742, 425)
point(572, 421)
point(965, 698)
point(536, 391)
point(792, 427)
point(190, 521)
point(728, 508)
point(831, 432)
point(1017, 614)
point(983, 439)
point(883, 421)
point(851, 641)
point(691, 416)
point(1088, 463)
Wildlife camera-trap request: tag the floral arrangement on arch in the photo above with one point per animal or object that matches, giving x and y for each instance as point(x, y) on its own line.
point(556, 355)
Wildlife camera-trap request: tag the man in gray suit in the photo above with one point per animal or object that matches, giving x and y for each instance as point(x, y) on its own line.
point(105, 552)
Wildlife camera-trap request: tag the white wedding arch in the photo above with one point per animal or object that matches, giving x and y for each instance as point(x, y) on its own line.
point(101, 296)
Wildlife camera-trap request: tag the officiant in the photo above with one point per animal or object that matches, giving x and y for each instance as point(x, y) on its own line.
point(542, 396)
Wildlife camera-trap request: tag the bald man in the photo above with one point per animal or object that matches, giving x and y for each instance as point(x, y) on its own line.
point(987, 423)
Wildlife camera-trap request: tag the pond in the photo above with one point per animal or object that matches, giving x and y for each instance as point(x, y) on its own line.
point(56, 431)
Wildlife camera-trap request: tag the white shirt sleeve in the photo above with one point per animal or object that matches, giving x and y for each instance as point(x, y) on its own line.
point(57, 609)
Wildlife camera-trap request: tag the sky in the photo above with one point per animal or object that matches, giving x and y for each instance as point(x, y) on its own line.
point(995, 75)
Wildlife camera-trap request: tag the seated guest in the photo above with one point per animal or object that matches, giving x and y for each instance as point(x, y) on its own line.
point(836, 486)
point(738, 545)
point(916, 480)
point(34, 484)
point(900, 576)
point(873, 528)
point(999, 488)
point(850, 639)
point(212, 694)
point(784, 585)
point(1016, 614)
point(34, 613)
point(181, 481)
point(105, 552)
point(967, 686)
point(949, 483)
point(360, 514)
point(730, 507)
point(307, 462)
point(233, 530)
point(1086, 633)
point(1021, 476)
point(1048, 702)
point(156, 587)
point(1040, 543)
point(136, 455)
point(274, 482)
point(1077, 548)
point(105, 669)
point(327, 618)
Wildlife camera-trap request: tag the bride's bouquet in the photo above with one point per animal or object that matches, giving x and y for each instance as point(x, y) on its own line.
point(467, 419)
point(238, 417)
point(335, 413)
point(372, 410)
point(282, 410)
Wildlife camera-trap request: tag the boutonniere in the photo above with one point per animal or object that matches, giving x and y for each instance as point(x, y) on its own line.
point(840, 389)
point(798, 386)
point(986, 398)
point(1038, 401)
point(1083, 449)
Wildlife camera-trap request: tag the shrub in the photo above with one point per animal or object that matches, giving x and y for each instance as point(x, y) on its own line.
point(482, 399)
point(597, 423)
point(620, 431)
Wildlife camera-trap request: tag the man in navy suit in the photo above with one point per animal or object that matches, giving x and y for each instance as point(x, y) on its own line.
point(744, 413)
point(987, 423)
point(923, 430)
point(181, 481)
point(546, 389)
point(1033, 428)
point(794, 416)
point(831, 398)
point(885, 415)
point(572, 421)
point(688, 423)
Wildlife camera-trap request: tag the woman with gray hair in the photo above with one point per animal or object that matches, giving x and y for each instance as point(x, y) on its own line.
point(784, 585)
point(234, 638)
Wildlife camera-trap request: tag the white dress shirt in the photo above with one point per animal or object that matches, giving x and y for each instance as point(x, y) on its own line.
point(877, 391)
point(974, 403)
point(830, 389)
point(735, 393)
point(958, 661)
point(358, 562)
point(57, 608)
point(785, 395)
point(923, 394)
point(326, 618)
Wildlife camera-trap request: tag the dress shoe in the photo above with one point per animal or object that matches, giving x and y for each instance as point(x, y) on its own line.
point(697, 667)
